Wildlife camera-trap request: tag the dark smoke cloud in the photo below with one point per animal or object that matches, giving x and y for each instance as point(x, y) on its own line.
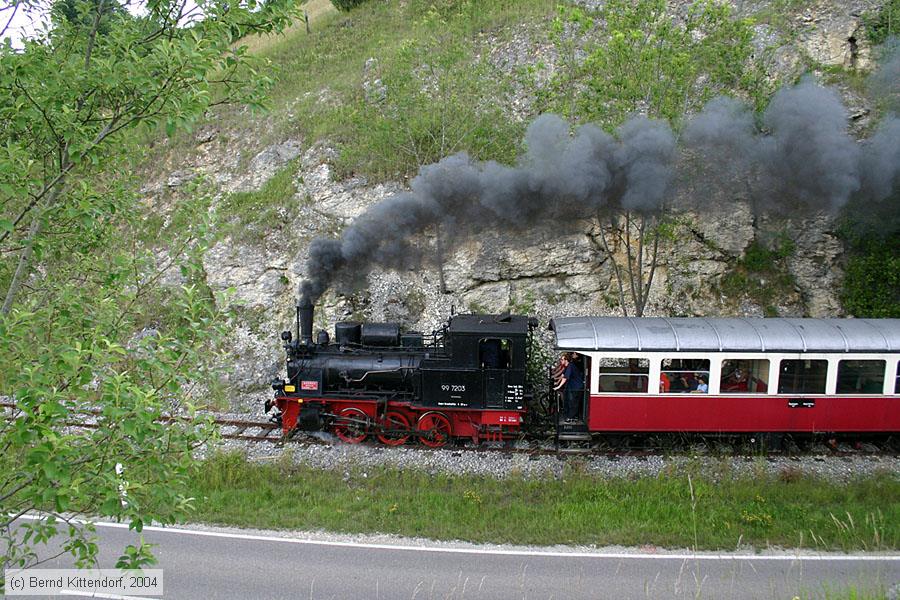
point(561, 178)
point(801, 160)
point(808, 158)
point(804, 160)
point(884, 83)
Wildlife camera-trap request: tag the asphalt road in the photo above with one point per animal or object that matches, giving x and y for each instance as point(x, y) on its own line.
point(226, 564)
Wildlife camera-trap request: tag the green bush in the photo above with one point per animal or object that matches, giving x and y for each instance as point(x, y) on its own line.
point(884, 23)
point(872, 279)
point(762, 274)
point(346, 5)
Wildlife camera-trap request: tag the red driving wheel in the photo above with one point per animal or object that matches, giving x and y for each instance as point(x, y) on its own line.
point(351, 425)
point(435, 428)
point(398, 425)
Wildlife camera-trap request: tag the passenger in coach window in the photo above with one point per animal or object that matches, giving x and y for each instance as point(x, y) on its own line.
point(702, 386)
point(735, 382)
point(692, 382)
point(680, 384)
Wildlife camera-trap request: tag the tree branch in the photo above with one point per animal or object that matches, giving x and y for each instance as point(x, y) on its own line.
point(653, 263)
point(629, 259)
point(615, 265)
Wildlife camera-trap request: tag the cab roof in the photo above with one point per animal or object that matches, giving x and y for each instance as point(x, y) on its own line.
point(505, 324)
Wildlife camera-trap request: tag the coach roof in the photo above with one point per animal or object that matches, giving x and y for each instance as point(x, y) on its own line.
point(648, 334)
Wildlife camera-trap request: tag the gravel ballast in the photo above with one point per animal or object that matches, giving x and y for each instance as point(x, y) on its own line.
point(335, 455)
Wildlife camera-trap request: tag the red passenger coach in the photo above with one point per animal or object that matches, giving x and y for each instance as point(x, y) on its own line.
point(736, 375)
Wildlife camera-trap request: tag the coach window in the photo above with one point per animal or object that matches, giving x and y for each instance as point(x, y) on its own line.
point(802, 376)
point(494, 353)
point(860, 377)
point(684, 375)
point(745, 376)
point(623, 375)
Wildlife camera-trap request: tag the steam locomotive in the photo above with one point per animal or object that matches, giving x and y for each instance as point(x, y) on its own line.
point(641, 375)
point(466, 380)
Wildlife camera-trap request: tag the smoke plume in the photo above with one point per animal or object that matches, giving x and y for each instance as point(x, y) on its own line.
point(803, 160)
point(799, 159)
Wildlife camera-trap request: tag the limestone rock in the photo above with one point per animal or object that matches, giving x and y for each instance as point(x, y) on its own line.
point(265, 164)
point(181, 177)
point(374, 89)
point(815, 267)
point(257, 276)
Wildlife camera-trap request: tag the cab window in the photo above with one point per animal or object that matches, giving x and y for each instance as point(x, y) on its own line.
point(495, 353)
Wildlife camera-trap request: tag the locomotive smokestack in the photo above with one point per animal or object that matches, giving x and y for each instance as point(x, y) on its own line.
point(305, 314)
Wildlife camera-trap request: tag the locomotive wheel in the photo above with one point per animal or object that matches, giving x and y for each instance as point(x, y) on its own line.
point(395, 420)
point(435, 428)
point(348, 427)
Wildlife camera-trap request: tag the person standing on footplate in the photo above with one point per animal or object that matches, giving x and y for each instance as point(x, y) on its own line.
point(573, 383)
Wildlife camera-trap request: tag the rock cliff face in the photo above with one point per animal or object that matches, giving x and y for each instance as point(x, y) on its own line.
point(557, 271)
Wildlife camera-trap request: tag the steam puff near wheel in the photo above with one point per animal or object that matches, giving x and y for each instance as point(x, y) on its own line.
point(467, 380)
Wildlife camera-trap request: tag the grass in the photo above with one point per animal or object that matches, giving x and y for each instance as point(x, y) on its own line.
point(426, 56)
point(667, 511)
point(867, 590)
point(315, 10)
point(252, 215)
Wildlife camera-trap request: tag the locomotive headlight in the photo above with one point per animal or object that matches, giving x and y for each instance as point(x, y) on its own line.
point(290, 388)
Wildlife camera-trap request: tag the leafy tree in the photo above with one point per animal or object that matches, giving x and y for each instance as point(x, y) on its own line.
point(77, 266)
point(81, 13)
point(636, 57)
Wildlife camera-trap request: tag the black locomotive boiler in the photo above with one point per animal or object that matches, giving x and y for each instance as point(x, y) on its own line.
point(466, 380)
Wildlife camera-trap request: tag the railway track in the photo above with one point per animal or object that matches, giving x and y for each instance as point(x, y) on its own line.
point(230, 429)
point(257, 431)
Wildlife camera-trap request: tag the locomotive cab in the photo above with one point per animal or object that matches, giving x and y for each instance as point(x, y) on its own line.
point(486, 364)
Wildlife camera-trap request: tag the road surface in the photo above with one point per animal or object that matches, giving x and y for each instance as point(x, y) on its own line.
point(227, 563)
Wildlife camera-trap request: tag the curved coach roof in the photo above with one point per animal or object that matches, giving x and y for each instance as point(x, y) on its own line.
point(649, 334)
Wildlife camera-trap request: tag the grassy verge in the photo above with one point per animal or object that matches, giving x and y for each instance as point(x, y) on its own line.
point(669, 511)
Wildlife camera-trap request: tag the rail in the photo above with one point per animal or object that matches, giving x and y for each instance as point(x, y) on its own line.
point(255, 431)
